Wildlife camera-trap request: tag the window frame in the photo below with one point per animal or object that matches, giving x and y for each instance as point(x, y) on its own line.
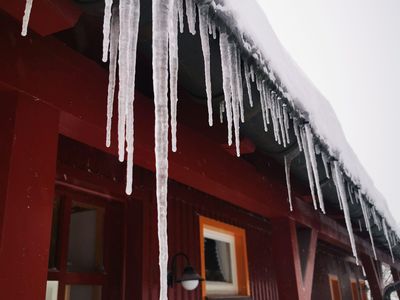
point(60, 273)
point(355, 293)
point(331, 279)
point(240, 275)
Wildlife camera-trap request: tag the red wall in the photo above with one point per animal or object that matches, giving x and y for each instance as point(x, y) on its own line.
point(185, 205)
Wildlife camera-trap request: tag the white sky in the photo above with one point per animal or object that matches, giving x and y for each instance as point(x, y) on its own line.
point(350, 49)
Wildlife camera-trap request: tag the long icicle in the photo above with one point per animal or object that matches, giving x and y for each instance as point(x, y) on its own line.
point(314, 165)
point(308, 165)
point(288, 185)
point(27, 15)
point(232, 54)
point(367, 223)
point(205, 45)
point(248, 84)
point(239, 84)
point(112, 74)
point(173, 72)
point(385, 231)
point(343, 197)
point(133, 30)
point(160, 19)
point(106, 28)
point(123, 50)
point(226, 81)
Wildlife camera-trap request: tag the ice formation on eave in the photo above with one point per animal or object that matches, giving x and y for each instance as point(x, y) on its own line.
point(285, 94)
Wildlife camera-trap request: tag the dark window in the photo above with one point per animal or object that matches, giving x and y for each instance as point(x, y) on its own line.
point(217, 253)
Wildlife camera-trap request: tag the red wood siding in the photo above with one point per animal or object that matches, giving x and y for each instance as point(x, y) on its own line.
point(185, 206)
point(331, 261)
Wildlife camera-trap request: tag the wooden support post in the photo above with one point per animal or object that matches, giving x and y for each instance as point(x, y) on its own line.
point(396, 278)
point(26, 187)
point(292, 284)
point(373, 276)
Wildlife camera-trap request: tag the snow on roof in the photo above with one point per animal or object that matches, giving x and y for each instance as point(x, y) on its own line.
point(306, 98)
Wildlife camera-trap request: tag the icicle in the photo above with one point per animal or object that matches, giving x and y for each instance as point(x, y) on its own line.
point(221, 111)
point(191, 16)
point(205, 45)
point(226, 81)
point(233, 69)
point(275, 109)
point(297, 133)
point(214, 30)
point(317, 149)
point(308, 166)
point(173, 70)
point(342, 195)
point(252, 73)
point(161, 19)
point(240, 85)
point(133, 29)
point(25, 19)
point(349, 192)
point(112, 74)
point(248, 85)
point(314, 164)
point(286, 123)
point(336, 185)
point(281, 124)
point(359, 225)
point(123, 49)
point(106, 28)
point(325, 163)
point(180, 15)
point(264, 108)
point(385, 231)
point(287, 173)
point(366, 221)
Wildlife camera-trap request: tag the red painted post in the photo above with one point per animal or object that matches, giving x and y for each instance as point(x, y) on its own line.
point(28, 201)
point(285, 250)
point(373, 277)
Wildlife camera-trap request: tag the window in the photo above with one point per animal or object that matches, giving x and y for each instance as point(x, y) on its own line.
point(335, 287)
point(81, 261)
point(224, 259)
point(354, 289)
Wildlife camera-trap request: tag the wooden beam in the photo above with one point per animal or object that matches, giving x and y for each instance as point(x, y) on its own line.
point(285, 250)
point(28, 201)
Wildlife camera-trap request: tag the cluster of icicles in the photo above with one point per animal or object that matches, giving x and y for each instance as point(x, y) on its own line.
point(120, 30)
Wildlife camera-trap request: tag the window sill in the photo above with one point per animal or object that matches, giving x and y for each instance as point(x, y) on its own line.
point(225, 297)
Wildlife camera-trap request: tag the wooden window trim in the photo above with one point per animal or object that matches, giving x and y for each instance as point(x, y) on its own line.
point(355, 292)
point(331, 279)
point(240, 251)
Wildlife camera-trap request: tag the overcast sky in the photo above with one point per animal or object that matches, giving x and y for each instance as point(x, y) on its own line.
point(350, 49)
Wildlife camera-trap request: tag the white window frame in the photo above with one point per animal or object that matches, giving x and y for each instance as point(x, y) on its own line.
point(217, 287)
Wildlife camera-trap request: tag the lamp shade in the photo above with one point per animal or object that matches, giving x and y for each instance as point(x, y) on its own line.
point(189, 279)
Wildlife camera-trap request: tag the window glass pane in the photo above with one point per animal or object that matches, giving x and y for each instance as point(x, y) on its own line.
point(51, 290)
point(217, 260)
point(82, 292)
point(54, 234)
point(85, 249)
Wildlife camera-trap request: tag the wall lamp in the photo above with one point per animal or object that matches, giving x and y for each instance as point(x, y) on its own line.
point(189, 278)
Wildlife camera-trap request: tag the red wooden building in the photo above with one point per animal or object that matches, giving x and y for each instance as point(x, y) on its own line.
point(69, 231)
